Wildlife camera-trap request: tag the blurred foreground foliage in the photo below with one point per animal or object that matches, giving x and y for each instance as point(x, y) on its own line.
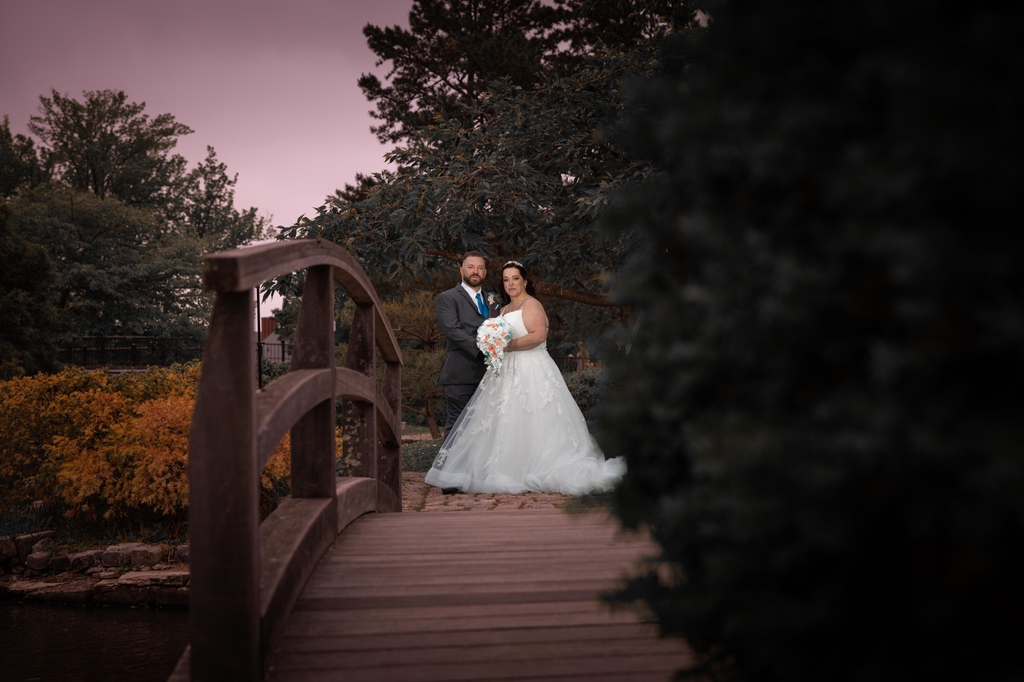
point(820, 398)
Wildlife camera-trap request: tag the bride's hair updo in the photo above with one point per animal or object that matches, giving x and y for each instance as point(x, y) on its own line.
point(530, 289)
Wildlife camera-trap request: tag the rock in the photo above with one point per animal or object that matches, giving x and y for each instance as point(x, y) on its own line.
point(117, 555)
point(154, 578)
point(151, 588)
point(44, 545)
point(38, 561)
point(113, 592)
point(60, 562)
point(132, 554)
point(81, 561)
point(95, 570)
point(108, 575)
point(160, 567)
point(8, 549)
point(26, 542)
point(79, 591)
point(147, 555)
point(19, 588)
point(182, 553)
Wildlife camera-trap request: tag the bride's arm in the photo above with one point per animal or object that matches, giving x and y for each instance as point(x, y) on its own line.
point(536, 322)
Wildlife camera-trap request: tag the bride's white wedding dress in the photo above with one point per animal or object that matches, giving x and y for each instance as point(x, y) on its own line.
point(522, 431)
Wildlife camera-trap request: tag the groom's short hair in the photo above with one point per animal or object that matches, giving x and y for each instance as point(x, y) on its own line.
point(472, 254)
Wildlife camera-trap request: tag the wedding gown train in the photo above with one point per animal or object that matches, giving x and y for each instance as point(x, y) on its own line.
point(522, 431)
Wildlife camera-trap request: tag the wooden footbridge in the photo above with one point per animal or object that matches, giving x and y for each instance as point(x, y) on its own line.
point(332, 586)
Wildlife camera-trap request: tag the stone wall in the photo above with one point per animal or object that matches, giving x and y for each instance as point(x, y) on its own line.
point(133, 573)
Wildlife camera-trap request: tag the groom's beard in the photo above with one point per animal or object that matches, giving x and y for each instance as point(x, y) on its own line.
point(473, 280)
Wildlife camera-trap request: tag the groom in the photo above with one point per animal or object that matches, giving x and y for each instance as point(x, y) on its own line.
point(460, 311)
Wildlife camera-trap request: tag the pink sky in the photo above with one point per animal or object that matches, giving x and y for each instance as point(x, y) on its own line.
point(271, 85)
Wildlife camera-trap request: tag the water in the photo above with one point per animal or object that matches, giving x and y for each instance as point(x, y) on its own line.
point(41, 642)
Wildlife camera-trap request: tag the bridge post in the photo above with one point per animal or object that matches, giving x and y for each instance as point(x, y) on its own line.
point(390, 456)
point(359, 419)
point(313, 445)
point(224, 591)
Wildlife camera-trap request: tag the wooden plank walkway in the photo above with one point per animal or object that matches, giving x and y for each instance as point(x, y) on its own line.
point(497, 595)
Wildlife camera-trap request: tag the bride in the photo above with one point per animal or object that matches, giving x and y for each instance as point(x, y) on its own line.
point(522, 431)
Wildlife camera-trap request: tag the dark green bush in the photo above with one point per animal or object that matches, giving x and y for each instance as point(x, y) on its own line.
point(820, 407)
point(586, 388)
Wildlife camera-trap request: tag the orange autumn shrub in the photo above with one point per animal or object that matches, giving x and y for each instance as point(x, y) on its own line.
point(74, 458)
point(108, 447)
point(33, 412)
point(158, 382)
point(143, 465)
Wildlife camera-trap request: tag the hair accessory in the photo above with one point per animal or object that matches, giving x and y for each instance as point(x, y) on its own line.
point(512, 262)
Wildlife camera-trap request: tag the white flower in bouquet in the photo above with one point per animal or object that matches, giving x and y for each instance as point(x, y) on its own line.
point(491, 338)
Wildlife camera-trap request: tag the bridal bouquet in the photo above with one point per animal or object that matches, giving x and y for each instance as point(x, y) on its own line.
point(491, 338)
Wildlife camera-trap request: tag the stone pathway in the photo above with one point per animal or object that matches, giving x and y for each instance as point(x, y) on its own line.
point(418, 496)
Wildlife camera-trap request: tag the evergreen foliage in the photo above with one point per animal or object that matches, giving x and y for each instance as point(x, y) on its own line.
point(500, 105)
point(820, 399)
point(526, 184)
point(443, 63)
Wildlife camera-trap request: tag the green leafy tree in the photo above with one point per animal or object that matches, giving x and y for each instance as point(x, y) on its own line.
point(19, 161)
point(26, 280)
point(123, 220)
point(443, 63)
point(117, 271)
point(107, 145)
point(819, 402)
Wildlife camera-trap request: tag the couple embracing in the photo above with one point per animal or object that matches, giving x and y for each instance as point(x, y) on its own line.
point(518, 430)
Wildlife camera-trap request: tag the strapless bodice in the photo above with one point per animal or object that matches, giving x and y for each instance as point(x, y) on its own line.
point(518, 327)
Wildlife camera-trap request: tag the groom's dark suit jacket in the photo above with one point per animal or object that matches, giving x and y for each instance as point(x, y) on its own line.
point(459, 318)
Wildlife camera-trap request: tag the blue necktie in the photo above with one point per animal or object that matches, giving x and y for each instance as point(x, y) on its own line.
point(480, 304)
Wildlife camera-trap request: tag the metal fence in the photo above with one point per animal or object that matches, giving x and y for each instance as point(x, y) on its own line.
point(130, 352)
point(274, 352)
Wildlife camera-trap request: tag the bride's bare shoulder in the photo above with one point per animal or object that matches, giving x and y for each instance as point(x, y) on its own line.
point(533, 304)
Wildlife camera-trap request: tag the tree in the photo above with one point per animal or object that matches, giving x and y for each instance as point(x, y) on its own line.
point(107, 145)
point(819, 402)
point(123, 220)
point(117, 271)
point(209, 212)
point(526, 183)
point(26, 280)
point(444, 62)
point(583, 26)
point(19, 161)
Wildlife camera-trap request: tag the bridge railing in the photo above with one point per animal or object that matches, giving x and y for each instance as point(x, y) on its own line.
point(246, 576)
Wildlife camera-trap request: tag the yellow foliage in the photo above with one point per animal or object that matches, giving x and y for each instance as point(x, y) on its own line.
point(151, 454)
point(33, 412)
point(108, 446)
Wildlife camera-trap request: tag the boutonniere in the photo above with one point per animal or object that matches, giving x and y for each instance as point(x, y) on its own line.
point(491, 300)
